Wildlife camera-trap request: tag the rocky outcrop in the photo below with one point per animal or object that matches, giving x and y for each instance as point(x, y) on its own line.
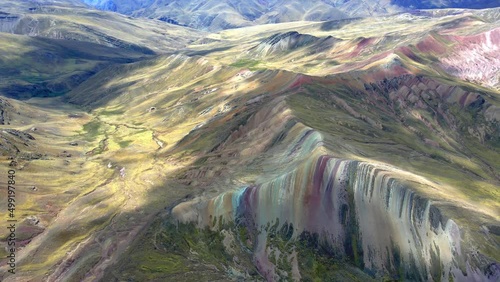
point(14, 142)
point(290, 41)
point(458, 108)
point(373, 216)
point(365, 213)
point(475, 58)
point(6, 110)
point(8, 21)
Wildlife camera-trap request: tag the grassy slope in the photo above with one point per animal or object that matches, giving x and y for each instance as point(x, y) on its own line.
point(63, 20)
point(167, 160)
point(463, 172)
point(49, 67)
point(67, 45)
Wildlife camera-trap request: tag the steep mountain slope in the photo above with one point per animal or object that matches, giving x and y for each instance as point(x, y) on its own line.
point(60, 20)
point(42, 67)
point(351, 150)
point(67, 44)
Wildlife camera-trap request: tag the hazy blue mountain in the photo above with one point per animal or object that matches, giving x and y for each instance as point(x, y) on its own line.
point(103, 5)
point(433, 4)
point(217, 15)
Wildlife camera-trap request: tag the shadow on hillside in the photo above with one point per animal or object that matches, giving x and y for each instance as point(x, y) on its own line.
point(336, 24)
point(207, 52)
point(53, 67)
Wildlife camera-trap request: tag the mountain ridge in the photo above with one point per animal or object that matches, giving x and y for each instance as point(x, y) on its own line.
point(360, 149)
point(218, 15)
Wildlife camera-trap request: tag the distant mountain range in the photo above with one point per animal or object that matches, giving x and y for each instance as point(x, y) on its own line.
point(218, 15)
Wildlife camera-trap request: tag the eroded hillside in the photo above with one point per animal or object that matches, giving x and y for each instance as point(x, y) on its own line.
point(346, 150)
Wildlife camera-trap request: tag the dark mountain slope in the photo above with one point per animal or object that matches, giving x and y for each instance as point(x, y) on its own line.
point(49, 47)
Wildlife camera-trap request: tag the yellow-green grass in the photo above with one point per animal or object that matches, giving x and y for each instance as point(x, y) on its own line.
point(93, 206)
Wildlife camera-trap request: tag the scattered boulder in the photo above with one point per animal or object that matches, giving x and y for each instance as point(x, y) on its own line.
point(122, 172)
point(30, 156)
point(33, 220)
point(21, 135)
point(65, 154)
